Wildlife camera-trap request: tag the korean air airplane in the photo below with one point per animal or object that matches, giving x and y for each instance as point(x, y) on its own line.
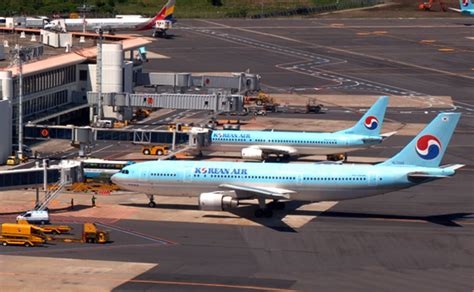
point(259, 145)
point(467, 8)
point(222, 185)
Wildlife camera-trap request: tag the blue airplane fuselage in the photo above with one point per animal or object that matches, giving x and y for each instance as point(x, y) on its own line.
point(310, 182)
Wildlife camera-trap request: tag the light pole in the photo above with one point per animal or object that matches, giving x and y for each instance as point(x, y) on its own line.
point(98, 74)
point(18, 51)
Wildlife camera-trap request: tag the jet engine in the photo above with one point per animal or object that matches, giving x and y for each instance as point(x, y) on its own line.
point(216, 201)
point(252, 153)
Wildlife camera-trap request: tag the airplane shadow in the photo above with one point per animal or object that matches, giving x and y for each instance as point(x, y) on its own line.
point(447, 220)
point(245, 210)
point(51, 211)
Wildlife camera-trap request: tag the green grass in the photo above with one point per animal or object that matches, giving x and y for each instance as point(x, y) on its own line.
point(184, 8)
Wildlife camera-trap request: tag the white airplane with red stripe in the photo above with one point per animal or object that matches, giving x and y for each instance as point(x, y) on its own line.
point(160, 23)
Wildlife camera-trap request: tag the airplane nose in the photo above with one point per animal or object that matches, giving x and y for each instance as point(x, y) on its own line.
point(114, 178)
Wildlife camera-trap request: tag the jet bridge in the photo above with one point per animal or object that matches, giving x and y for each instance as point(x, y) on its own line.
point(233, 82)
point(211, 102)
point(38, 177)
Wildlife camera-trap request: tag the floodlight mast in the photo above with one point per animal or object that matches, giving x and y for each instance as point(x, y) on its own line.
point(19, 63)
point(100, 33)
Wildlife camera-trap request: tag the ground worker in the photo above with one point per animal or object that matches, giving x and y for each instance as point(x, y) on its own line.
point(72, 203)
point(93, 200)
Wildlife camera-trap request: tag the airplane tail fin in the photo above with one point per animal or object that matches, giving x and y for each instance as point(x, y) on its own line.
point(466, 5)
point(428, 147)
point(166, 13)
point(371, 123)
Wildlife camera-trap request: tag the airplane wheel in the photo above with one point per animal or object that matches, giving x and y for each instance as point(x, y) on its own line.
point(27, 244)
point(146, 152)
point(268, 213)
point(152, 204)
point(259, 213)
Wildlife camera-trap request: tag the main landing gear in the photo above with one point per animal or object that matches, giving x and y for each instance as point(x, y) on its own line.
point(266, 210)
point(151, 203)
point(337, 157)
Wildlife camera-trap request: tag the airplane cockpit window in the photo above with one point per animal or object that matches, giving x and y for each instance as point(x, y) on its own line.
point(124, 171)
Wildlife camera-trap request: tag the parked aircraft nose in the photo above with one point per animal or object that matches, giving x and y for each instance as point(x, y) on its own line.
point(115, 178)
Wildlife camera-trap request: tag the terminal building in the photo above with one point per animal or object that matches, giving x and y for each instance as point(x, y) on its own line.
point(55, 86)
point(61, 82)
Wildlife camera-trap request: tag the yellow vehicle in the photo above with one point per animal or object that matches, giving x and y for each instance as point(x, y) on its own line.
point(90, 234)
point(156, 150)
point(142, 114)
point(180, 127)
point(13, 160)
point(119, 124)
point(22, 234)
point(54, 229)
point(263, 98)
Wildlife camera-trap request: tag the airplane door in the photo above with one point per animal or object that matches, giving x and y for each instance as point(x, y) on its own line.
point(188, 174)
point(373, 178)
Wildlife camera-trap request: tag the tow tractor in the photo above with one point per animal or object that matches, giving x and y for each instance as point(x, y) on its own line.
point(90, 234)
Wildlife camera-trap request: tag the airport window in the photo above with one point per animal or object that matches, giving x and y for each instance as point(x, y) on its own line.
point(82, 75)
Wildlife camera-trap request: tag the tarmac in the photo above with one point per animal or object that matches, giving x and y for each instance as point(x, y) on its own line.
point(419, 239)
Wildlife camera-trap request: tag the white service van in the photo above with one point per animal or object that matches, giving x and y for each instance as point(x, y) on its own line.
point(41, 217)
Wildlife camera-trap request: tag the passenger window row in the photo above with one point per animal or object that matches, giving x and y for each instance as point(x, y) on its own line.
point(335, 178)
point(163, 174)
point(279, 141)
point(250, 176)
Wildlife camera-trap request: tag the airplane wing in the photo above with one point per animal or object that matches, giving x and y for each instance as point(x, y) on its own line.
point(455, 9)
point(265, 192)
point(276, 149)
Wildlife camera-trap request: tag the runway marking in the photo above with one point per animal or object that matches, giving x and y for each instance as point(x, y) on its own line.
point(319, 60)
point(102, 149)
point(328, 26)
point(446, 50)
point(347, 51)
point(427, 41)
point(138, 234)
point(261, 288)
point(90, 276)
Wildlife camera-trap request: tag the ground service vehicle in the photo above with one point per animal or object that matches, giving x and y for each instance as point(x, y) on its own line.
point(33, 216)
point(21, 234)
point(54, 229)
point(156, 150)
point(313, 107)
point(180, 127)
point(90, 234)
point(13, 160)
